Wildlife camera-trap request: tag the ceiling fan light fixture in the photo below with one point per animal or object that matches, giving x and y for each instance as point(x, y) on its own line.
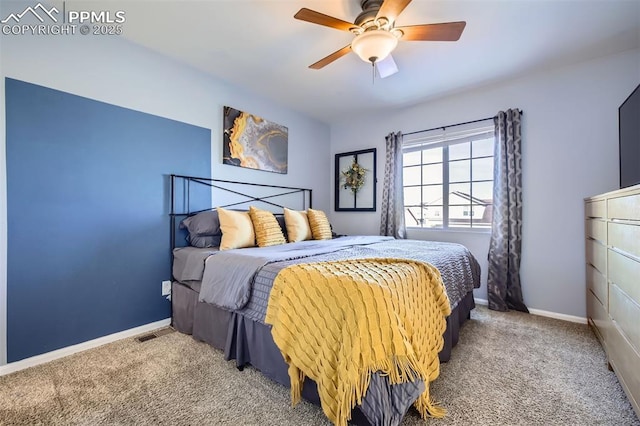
point(374, 45)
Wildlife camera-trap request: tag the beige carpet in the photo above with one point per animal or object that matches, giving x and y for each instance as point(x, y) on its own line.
point(508, 369)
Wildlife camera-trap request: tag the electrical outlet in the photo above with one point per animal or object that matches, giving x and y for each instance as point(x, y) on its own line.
point(166, 288)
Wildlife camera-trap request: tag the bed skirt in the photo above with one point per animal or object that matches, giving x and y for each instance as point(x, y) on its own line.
point(249, 342)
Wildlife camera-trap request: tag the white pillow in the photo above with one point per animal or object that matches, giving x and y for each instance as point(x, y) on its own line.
point(297, 224)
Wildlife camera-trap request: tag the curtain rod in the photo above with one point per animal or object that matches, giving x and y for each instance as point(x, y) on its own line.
point(453, 125)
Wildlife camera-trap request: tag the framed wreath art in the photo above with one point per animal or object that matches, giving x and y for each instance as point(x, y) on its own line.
point(355, 181)
point(354, 177)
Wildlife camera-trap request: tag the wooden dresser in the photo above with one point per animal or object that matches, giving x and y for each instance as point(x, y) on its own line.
point(612, 231)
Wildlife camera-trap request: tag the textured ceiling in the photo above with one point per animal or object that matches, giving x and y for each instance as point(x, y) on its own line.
point(258, 45)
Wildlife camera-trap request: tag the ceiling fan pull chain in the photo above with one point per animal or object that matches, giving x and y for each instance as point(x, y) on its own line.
point(373, 75)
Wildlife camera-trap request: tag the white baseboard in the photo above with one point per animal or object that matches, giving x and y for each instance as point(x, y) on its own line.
point(69, 350)
point(548, 314)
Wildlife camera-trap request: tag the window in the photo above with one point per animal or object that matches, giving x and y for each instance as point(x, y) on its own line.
point(448, 179)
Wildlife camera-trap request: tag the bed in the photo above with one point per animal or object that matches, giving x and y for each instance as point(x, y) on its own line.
point(234, 320)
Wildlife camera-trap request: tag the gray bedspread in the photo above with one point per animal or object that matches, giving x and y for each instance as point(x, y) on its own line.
point(188, 262)
point(228, 275)
point(241, 280)
point(258, 267)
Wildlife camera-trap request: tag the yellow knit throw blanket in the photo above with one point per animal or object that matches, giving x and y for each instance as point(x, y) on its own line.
point(338, 322)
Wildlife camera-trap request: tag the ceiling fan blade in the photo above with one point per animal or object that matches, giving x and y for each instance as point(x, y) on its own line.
point(390, 9)
point(449, 31)
point(314, 17)
point(386, 67)
point(328, 59)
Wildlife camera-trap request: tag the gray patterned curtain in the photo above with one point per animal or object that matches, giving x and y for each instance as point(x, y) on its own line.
point(503, 284)
point(392, 220)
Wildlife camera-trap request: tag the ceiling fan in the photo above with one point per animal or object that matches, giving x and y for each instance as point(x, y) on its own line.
point(376, 35)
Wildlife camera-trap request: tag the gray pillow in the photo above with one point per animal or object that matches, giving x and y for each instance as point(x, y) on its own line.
point(283, 226)
point(203, 223)
point(204, 241)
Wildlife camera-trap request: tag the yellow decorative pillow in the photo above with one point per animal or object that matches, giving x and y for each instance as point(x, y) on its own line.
point(237, 229)
point(320, 228)
point(297, 224)
point(266, 227)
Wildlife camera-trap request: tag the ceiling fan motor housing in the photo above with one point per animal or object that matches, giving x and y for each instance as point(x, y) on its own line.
point(370, 9)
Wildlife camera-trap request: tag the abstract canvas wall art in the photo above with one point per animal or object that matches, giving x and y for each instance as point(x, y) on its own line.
point(253, 142)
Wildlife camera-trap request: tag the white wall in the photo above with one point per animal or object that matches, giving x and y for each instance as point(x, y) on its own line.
point(120, 73)
point(570, 151)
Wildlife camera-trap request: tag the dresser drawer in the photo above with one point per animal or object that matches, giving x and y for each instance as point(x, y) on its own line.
point(595, 208)
point(625, 312)
point(597, 255)
point(597, 229)
point(624, 207)
point(597, 283)
point(625, 237)
point(625, 273)
point(598, 317)
point(625, 361)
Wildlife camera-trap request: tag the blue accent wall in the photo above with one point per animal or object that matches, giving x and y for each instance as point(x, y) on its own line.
point(87, 207)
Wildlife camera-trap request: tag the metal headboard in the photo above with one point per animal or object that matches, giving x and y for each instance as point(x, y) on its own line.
point(185, 183)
